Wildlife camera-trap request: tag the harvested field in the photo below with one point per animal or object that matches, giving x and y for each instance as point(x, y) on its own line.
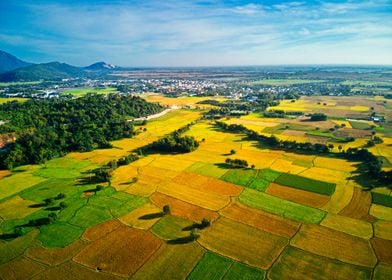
point(171, 228)
point(381, 212)
point(207, 184)
point(20, 268)
point(260, 220)
point(141, 189)
point(281, 207)
point(340, 198)
point(296, 195)
point(122, 252)
point(171, 262)
point(348, 225)
point(183, 209)
point(334, 244)
point(383, 271)
point(298, 264)
point(99, 231)
point(383, 249)
point(358, 208)
point(383, 229)
point(55, 256)
point(143, 217)
point(211, 266)
point(206, 200)
point(71, 270)
point(306, 184)
point(262, 247)
point(241, 271)
point(59, 234)
point(16, 208)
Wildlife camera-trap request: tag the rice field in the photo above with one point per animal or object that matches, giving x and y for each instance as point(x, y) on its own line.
point(296, 216)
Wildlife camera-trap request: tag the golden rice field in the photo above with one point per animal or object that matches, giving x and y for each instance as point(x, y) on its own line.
point(121, 232)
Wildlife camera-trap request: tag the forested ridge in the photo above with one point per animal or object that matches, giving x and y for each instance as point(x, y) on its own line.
point(51, 128)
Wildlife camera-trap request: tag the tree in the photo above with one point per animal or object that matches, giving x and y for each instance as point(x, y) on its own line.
point(166, 209)
point(48, 201)
point(232, 151)
point(318, 117)
point(205, 223)
point(194, 234)
point(98, 188)
point(63, 205)
point(340, 148)
point(60, 196)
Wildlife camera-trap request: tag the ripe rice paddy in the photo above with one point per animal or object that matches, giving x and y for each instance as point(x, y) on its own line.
point(319, 225)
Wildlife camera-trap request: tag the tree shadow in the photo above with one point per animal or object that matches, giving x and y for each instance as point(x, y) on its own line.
point(151, 216)
point(7, 236)
point(38, 205)
point(182, 240)
point(53, 208)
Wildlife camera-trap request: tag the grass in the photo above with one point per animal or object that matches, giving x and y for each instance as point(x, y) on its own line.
point(240, 177)
point(59, 234)
point(207, 169)
point(382, 199)
point(285, 82)
point(281, 207)
point(263, 179)
point(211, 267)
point(306, 184)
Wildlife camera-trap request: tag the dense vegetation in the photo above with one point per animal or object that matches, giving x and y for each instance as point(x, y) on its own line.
point(52, 127)
point(175, 143)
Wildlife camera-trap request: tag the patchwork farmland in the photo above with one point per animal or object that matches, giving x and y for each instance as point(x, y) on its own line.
point(192, 216)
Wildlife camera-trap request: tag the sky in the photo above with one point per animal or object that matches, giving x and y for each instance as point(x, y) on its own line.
point(198, 32)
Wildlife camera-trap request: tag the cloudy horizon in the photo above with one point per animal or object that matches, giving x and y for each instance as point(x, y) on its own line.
point(198, 33)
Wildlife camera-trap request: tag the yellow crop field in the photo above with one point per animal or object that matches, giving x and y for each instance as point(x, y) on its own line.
point(261, 220)
point(324, 174)
point(171, 262)
point(286, 166)
point(11, 99)
point(383, 229)
point(381, 212)
point(335, 164)
point(345, 123)
point(142, 217)
point(142, 189)
point(16, 208)
point(348, 225)
point(262, 248)
point(55, 256)
point(358, 208)
point(179, 101)
point(100, 230)
point(206, 200)
point(335, 245)
point(171, 163)
point(183, 209)
point(340, 198)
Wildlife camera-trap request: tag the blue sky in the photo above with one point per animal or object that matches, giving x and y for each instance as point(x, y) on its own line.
point(198, 32)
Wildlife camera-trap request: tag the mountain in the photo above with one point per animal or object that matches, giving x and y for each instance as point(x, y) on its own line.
point(45, 71)
point(8, 62)
point(100, 66)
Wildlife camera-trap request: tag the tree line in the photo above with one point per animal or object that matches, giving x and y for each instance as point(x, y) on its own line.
point(51, 128)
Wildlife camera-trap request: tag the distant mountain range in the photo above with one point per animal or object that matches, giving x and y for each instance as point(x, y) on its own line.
point(13, 69)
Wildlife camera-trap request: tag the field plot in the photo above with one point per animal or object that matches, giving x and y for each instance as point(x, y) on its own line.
point(207, 169)
point(260, 220)
point(211, 266)
point(382, 271)
point(183, 209)
point(381, 212)
point(358, 208)
point(210, 201)
point(335, 245)
point(55, 256)
point(50, 234)
point(262, 247)
point(84, 91)
point(71, 270)
point(171, 228)
point(171, 262)
point(99, 231)
point(348, 225)
point(122, 252)
point(306, 184)
point(16, 247)
point(298, 264)
point(17, 183)
point(383, 249)
point(383, 229)
point(297, 195)
point(241, 271)
point(281, 207)
point(16, 207)
point(20, 268)
point(382, 199)
point(143, 217)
